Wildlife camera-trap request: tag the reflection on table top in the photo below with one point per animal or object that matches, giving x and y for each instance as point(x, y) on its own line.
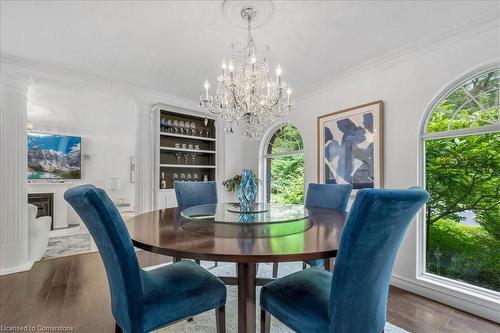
point(230, 213)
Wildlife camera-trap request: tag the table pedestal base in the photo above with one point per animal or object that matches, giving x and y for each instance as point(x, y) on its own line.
point(246, 297)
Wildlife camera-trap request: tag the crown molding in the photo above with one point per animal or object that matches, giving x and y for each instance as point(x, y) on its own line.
point(38, 72)
point(479, 25)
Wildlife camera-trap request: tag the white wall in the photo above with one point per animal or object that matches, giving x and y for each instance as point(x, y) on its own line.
point(407, 89)
point(106, 123)
point(239, 153)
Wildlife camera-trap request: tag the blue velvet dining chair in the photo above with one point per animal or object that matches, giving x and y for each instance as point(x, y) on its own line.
point(354, 297)
point(190, 194)
point(142, 301)
point(327, 196)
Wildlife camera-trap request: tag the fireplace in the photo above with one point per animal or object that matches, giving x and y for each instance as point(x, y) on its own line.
point(45, 204)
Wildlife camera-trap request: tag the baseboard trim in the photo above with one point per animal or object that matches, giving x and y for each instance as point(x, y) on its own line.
point(21, 268)
point(483, 308)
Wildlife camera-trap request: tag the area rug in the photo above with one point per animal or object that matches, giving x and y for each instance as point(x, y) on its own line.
point(205, 322)
point(68, 245)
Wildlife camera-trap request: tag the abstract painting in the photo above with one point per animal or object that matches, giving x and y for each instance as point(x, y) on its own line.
point(350, 146)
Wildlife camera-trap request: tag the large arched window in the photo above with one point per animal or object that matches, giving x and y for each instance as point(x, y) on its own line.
point(461, 142)
point(284, 166)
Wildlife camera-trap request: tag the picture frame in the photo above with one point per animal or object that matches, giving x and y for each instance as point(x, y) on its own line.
point(350, 146)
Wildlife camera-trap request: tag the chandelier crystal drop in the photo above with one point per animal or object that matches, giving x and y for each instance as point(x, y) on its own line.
point(247, 95)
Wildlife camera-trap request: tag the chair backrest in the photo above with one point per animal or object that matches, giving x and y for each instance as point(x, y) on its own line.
point(331, 196)
point(370, 240)
point(111, 236)
point(195, 193)
point(32, 212)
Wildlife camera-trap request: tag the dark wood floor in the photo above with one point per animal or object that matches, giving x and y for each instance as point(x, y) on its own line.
point(73, 292)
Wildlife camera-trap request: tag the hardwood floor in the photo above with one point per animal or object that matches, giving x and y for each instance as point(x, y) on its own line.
point(73, 292)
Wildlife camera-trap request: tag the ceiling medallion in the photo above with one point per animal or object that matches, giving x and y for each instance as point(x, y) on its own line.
point(247, 96)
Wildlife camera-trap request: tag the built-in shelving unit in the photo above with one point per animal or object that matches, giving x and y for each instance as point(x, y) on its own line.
point(187, 148)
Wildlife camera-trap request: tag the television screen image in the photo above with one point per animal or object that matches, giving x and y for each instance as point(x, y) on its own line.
point(53, 156)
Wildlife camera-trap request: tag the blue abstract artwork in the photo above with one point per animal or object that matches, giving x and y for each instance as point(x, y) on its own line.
point(349, 151)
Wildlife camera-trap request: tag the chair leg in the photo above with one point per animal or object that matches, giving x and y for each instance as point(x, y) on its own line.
point(197, 261)
point(118, 329)
point(275, 270)
point(220, 319)
point(265, 321)
point(303, 265)
point(216, 264)
point(327, 264)
point(176, 259)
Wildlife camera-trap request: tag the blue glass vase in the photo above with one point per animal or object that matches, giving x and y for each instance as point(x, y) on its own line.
point(247, 192)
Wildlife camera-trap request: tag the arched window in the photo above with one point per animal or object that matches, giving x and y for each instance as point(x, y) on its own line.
point(461, 142)
point(284, 166)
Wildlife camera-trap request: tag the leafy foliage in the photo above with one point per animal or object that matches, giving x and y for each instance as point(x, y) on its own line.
point(233, 183)
point(463, 175)
point(287, 184)
point(287, 172)
point(467, 253)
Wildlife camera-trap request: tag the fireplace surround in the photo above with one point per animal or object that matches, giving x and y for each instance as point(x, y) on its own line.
point(45, 204)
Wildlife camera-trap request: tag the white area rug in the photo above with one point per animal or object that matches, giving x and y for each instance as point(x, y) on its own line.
point(69, 245)
point(205, 322)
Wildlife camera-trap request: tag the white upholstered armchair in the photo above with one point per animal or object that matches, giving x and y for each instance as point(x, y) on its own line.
point(38, 233)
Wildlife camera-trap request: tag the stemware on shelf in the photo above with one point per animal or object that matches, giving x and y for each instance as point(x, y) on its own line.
point(183, 177)
point(176, 125)
point(193, 128)
point(186, 155)
point(193, 156)
point(188, 177)
point(169, 125)
point(181, 126)
point(175, 177)
point(178, 154)
point(195, 177)
point(207, 131)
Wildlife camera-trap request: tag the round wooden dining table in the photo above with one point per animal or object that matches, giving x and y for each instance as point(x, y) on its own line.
point(166, 232)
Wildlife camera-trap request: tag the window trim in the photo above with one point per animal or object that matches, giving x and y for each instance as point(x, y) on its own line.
point(447, 284)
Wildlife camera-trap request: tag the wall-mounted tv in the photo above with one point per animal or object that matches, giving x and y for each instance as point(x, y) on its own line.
point(53, 156)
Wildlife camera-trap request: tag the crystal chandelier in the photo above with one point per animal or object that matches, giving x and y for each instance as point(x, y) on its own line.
point(247, 95)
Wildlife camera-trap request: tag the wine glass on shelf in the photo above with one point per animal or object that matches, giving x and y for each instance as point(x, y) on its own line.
point(193, 157)
point(186, 155)
point(175, 177)
point(183, 177)
point(195, 177)
point(193, 128)
point(181, 126)
point(169, 125)
point(188, 177)
point(207, 131)
point(176, 125)
point(178, 154)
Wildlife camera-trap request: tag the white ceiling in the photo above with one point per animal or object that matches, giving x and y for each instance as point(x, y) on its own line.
point(172, 46)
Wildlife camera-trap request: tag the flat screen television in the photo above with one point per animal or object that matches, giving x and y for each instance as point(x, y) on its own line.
point(53, 156)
